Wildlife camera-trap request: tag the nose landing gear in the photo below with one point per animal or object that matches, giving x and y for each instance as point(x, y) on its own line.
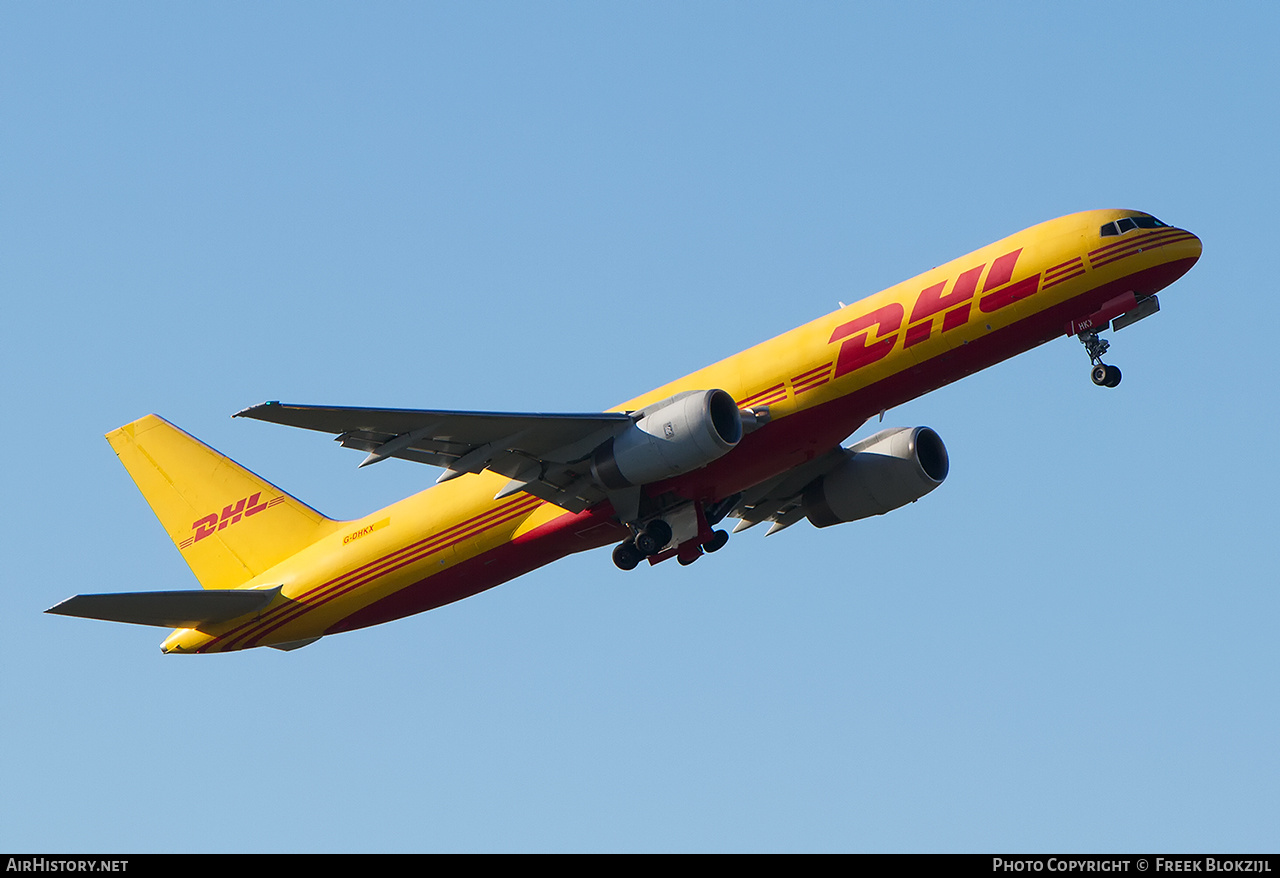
point(1105, 376)
point(1102, 374)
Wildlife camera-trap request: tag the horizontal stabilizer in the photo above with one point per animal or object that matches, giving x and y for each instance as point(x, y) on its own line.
point(167, 609)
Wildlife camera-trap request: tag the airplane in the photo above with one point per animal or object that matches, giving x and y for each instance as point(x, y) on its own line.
point(756, 437)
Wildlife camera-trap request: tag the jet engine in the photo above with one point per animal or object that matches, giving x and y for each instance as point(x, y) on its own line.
point(883, 472)
point(672, 437)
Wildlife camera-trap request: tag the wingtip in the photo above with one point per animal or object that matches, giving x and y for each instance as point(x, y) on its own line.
point(55, 608)
point(248, 412)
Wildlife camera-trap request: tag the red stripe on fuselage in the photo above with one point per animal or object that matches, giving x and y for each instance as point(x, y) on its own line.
point(1063, 278)
point(800, 379)
point(373, 576)
point(757, 398)
point(1064, 267)
point(1130, 240)
point(565, 535)
point(1139, 247)
point(373, 570)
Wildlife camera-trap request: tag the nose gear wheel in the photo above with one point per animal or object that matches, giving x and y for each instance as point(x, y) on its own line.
point(1102, 374)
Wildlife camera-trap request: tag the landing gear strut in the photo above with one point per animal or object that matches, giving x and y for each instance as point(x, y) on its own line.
point(1102, 374)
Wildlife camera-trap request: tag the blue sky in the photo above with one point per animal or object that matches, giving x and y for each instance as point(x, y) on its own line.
point(1069, 647)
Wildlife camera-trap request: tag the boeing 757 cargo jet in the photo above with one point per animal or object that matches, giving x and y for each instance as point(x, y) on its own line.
point(756, 437)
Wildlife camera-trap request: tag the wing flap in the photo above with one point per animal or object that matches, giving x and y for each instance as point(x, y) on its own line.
point(779, 499)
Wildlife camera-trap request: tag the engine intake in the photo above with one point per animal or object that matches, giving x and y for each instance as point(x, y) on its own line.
point(673, 437)
point(888, 470)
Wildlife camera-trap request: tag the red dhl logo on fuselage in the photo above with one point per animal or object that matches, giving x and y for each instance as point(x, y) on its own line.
point(231, 513)
point(860, 349)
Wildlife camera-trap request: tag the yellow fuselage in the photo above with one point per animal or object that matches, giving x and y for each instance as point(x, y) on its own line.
point(819, 382)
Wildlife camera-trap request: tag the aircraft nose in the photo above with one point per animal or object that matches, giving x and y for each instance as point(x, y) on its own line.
point(1192, 245)
point(1179, 252)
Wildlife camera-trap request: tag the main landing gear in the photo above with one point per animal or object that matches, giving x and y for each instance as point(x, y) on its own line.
point(648, 540)
point(654, 537)
point(1102, 374)
point(691, 551)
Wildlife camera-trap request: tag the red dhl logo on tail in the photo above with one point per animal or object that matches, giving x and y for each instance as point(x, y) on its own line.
point(231, 513)
point(861, 349)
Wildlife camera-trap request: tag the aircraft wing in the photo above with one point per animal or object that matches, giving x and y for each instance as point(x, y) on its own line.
point(546, 455)
point(779, 499)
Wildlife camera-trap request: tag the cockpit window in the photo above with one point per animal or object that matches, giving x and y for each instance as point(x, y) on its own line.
point(1129, 223)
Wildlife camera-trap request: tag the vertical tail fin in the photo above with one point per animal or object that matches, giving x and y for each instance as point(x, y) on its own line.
point(229, 524)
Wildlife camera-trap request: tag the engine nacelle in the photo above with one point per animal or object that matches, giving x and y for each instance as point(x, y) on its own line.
point(888, 470)
point(674, 437)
